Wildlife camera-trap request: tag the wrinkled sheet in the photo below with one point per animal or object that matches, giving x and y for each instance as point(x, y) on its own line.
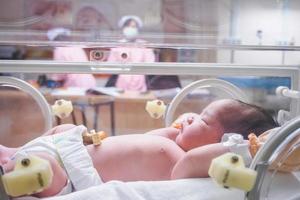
point(283, 186)
point(185, 189)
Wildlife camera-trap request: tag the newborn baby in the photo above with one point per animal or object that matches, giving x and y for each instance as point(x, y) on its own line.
point(162, 154)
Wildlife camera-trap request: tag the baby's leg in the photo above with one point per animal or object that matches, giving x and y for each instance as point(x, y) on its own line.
point(6, 153)
point(59, 129)
point(59, 177)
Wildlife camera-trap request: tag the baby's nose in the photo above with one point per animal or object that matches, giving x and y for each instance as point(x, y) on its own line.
point(190, 120)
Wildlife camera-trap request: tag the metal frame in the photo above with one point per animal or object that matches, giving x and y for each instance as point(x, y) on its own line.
point(34, 93)
point(109, 39)
point(3, 195)
point(224, 86)
point(269, 150)
point(158, 68)
point(210, 69)
point(161, 68)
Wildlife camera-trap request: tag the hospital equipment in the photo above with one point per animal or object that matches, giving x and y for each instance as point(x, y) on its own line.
point(62, 108)
point(229, 171)
point(257, 189)
point(38, 97)
point(283, 115)
point(156, 108)
point(231, 90)
point(31, 174)
point(279, 179)
point(267, 154)
point(3, 193)
point(236, 144)
point(222, 50)
point(94, 137)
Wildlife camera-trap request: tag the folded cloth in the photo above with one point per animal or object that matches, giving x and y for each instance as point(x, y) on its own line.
point(68, 149)
point(75, 158)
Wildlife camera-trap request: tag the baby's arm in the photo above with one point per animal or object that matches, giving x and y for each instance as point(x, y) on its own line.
point(195, 163)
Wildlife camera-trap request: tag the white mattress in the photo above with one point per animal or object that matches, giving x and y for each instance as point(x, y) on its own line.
point(284, 186)
point(185, 189)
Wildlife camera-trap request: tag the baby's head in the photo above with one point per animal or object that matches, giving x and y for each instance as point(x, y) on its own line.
point(246, 119)
point(219, 117)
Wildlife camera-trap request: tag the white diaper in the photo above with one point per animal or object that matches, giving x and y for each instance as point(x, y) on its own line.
point(40, 144)
point(68, 149)
point(75, 158)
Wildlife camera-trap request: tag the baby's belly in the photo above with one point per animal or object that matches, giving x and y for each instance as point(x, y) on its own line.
point(135, 157)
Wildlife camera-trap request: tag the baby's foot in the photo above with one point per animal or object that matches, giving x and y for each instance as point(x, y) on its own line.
point(6, 153)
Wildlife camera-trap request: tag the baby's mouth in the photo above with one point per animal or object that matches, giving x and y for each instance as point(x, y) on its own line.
point(181, 128)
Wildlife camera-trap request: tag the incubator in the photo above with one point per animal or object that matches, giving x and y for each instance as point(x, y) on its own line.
point(130, 67)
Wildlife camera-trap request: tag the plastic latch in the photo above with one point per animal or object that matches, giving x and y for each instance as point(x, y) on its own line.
point(3, 195)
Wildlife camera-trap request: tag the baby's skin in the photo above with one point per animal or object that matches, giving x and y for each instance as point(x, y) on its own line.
point(135, 157)
point(161, 154)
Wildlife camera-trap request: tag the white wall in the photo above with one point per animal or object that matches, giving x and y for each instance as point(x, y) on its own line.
point(276, 25)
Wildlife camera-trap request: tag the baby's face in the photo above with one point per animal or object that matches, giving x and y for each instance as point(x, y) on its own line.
point(201, 129)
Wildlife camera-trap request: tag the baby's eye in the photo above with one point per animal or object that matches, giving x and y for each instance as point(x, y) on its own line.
point(204, 120)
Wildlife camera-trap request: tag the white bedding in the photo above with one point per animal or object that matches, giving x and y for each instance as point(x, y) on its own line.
point(185, 189)
point(284, 186)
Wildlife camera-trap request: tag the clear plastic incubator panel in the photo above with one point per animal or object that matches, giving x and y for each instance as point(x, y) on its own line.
point(130, 67)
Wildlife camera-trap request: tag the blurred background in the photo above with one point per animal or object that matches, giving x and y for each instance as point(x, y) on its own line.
point(222, 32)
